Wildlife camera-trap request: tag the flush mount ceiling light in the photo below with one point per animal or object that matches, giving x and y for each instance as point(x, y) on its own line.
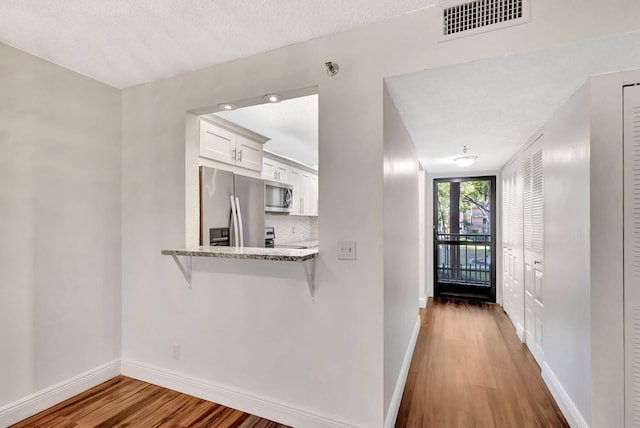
point(272, 98)
point(227, 106)
point(465, 161)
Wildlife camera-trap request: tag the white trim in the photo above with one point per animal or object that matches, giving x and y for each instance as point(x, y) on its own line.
point(422, 302)
point(394, 406)
point(520, 332)
point(262, 406)
point(49, 397)
point(569, 410)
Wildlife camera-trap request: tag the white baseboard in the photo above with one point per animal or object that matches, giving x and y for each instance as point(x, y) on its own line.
point(569, 410)
point(394, 406)
point(265, 407)
point(422, 302)
point(48, 397)
point(516, 324)
point(520, 332)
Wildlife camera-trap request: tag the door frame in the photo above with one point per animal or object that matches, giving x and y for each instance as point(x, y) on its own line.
point(462, 291)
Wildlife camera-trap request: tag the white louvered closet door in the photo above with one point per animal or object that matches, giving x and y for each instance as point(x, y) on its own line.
point(512, 240)
point(632, 254)
point(506, 226)
point(533, 206)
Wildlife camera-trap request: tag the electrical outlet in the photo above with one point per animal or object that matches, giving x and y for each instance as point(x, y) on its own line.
point(175, 352)
point(346, 250)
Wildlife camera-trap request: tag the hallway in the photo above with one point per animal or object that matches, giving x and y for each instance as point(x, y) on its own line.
point(470, 370)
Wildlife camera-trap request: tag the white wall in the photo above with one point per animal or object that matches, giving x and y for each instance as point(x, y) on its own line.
point(60, 225)
point(330, 360)
point(247, 325)
point(566, 340)
point(400, 251)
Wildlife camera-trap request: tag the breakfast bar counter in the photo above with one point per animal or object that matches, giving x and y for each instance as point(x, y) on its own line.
point(306, 256)
point(249, 253)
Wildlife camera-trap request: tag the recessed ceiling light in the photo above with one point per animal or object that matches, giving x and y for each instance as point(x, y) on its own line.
point(272, 98)
point(465, 161)
point(227, 106)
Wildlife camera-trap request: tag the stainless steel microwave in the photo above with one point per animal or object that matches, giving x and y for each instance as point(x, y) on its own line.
point(277, 197)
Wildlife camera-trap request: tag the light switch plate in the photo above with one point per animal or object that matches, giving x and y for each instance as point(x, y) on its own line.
point(346, 250)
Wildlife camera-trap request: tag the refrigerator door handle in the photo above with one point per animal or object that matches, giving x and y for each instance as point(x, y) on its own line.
point(239, 216)
point(235, 220)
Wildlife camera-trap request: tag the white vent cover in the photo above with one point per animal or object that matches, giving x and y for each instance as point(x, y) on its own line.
point(483, 15)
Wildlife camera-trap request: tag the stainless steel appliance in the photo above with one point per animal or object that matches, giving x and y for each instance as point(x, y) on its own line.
point(231, 201)
point(278, 197)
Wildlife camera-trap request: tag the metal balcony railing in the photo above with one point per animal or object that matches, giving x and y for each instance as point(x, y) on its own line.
point(464, 259)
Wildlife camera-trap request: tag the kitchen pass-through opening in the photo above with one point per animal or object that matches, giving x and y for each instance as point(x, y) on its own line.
point(252, 172)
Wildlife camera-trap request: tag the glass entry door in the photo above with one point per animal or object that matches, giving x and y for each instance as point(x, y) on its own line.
point(464, 238)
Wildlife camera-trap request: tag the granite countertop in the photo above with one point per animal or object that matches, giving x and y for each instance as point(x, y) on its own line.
point(250, 253)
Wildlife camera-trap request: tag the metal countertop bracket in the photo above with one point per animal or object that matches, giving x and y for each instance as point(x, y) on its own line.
point(310, 272)
point(186, 270)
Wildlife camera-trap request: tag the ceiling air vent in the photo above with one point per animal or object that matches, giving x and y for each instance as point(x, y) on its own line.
point(483, 15)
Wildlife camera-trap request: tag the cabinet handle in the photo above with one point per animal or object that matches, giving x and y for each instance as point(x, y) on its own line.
point(536, 262)
point(233, 154)
point(239, 155)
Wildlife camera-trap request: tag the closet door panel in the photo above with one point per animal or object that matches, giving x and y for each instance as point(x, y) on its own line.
point(632, 254)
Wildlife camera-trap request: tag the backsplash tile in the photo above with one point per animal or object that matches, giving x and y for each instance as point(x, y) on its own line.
point(292, 228)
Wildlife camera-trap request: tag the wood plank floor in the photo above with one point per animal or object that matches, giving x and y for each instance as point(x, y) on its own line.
point(469, 369)
point(125, 402)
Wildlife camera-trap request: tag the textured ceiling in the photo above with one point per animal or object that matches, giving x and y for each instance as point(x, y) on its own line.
point(127, 42)
point(495, 105)
point(292, 126)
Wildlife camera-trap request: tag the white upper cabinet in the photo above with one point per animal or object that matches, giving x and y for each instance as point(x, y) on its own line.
point(248, 153)
point(217, 143)
point(313, 195)
point(231, 144)
point(282, 171)
point(308, 194)
point(268, 169)
point(303, 181)
point(275, 171)
point(294, 181)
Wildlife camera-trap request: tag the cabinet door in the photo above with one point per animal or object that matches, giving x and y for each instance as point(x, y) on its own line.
point(248, 153)
point(268, 169)
point(305, 183)
point(217, 143)
point(282, 172)
point(313, 195)
point(294, 180)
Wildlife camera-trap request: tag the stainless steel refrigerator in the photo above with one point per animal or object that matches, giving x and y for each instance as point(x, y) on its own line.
point(233, 202)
